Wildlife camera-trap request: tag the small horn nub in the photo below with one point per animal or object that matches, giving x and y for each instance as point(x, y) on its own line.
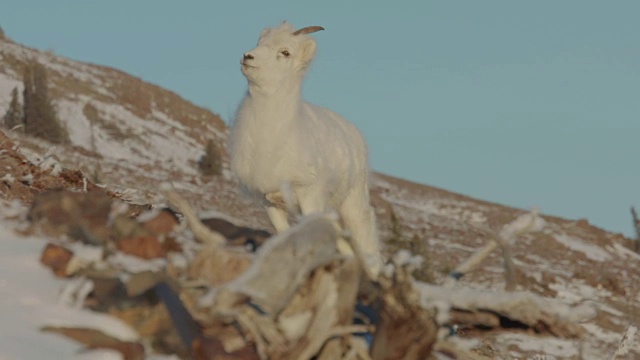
point(308, 30)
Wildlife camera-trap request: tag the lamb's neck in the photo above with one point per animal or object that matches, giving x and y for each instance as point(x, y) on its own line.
point(281, 105)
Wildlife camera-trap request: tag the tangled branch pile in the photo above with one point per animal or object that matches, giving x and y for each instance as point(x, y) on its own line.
point(295, 298)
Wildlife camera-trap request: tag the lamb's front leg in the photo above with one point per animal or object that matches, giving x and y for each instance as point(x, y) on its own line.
point(277, 211)
point(278, 218)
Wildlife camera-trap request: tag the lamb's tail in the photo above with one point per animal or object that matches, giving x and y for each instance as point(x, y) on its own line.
point(359, 220)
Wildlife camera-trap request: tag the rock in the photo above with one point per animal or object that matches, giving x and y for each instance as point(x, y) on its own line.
point(107, 290)
point(163, 223)
point(82, 216)
point(125, 227)
point(145, 247)
point(57, 258)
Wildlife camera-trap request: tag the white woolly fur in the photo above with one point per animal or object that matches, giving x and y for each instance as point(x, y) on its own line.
point(278, 141)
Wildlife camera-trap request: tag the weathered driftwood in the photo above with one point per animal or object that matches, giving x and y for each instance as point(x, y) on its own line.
point(296, 301)
point(406, 329)
point(526, 223)
point(214, 265)
point(522, 309)
point(297, 295)
point(200, 231)
point(284, 264)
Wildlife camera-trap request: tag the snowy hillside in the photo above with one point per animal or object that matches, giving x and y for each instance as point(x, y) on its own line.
point(129, 136)
point(119, 117)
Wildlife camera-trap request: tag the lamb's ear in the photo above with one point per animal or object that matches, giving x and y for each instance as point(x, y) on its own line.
point(307, 51)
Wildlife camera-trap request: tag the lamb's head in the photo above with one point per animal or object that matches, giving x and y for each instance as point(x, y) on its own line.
point(281, 57)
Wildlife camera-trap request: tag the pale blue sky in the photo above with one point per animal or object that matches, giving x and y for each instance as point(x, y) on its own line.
point(520, 103)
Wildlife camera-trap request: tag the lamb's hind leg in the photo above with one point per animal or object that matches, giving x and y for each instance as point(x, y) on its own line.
point(311, 199)
point(359, 220)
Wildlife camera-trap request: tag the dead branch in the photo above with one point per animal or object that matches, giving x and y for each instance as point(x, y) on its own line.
point(528, 309)
point(296, 295)
point(526, 223)
point(201, 232)
point(296, 300)
point(284, 264)
point(406, 329)
point(474, 318)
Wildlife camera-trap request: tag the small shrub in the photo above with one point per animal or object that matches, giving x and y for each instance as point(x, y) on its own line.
point(13, 116)
point(39, 115)
point(211, 162)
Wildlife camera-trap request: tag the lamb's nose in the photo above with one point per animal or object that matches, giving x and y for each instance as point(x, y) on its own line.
point(248, 56)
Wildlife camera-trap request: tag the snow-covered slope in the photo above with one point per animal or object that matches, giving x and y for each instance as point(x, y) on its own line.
point(31, 299)
point(572, 261)
point(116, 115)
point(130, 135)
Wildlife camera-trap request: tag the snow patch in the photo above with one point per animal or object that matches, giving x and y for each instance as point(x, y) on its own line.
point(70, 112)
point(625, 252)
point(29, 297)
point(134, 264)
point(548, 346)
point(577, 291)
point(7, 84)
point(592, 252)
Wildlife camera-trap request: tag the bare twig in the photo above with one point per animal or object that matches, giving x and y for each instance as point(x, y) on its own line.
point(636, 225)
point(509, 266)
point(200, 231)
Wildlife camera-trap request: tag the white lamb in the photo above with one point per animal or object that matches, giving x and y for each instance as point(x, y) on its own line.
point(278, 141)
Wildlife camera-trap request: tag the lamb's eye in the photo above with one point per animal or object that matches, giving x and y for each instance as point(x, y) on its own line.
point(286, 53)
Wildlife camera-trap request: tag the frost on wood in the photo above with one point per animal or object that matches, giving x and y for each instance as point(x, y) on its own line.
point(526, 223)
point(287, 318)
point(490, 309)
point(295, 298)
point(292, 255)
point(200, 231)
point(296, 295)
